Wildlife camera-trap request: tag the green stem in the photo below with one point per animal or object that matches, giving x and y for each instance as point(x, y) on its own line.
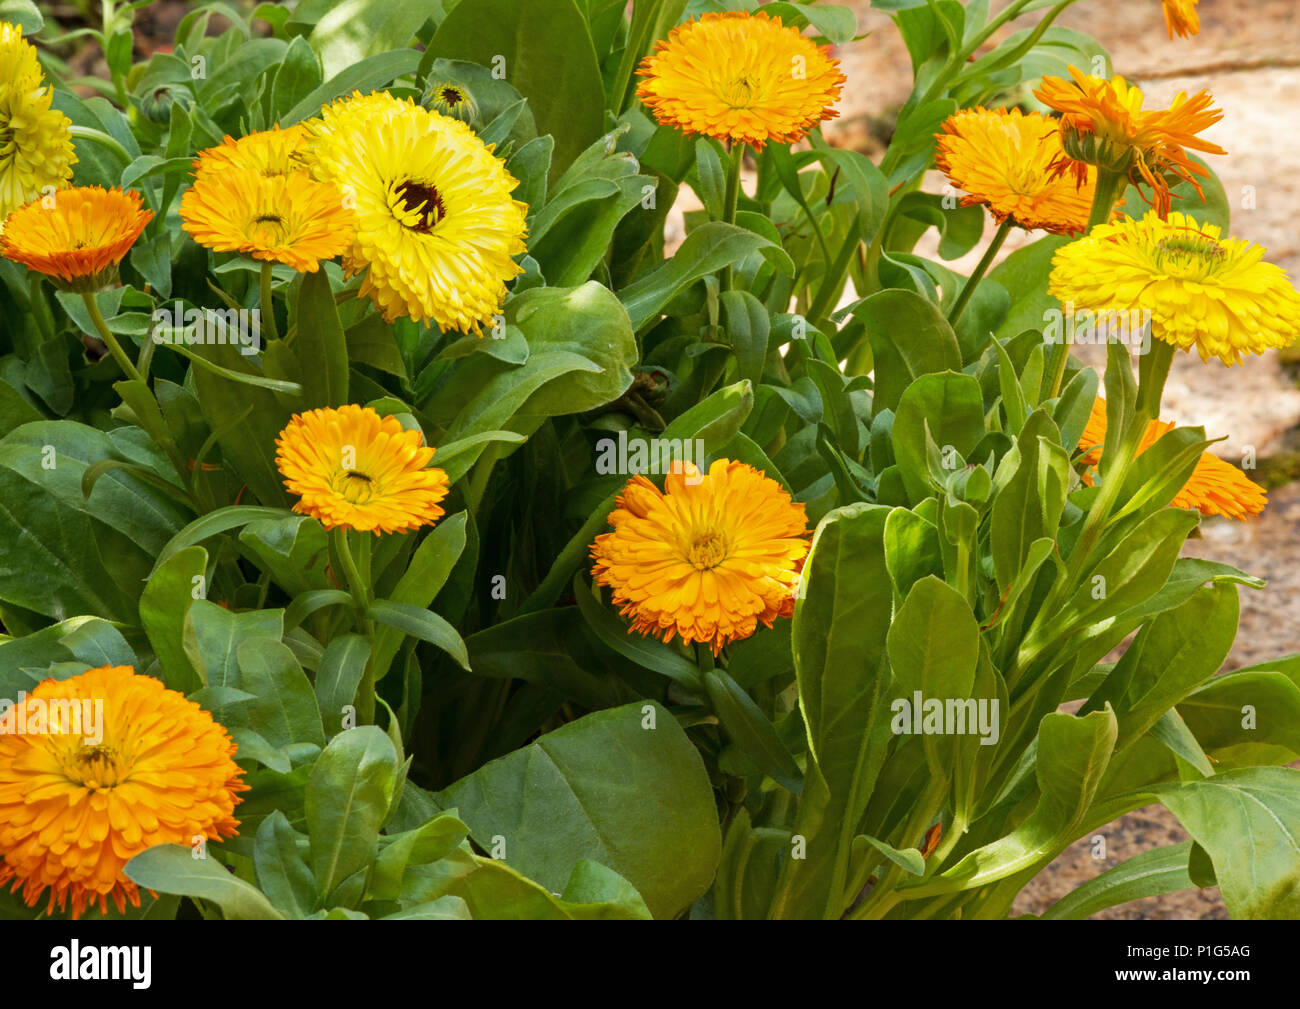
point(1103, 202)
point(110, 341)
point(357, 585)
point(731, 199)
point(268, 304)
point(981, 268)
point(104, 140)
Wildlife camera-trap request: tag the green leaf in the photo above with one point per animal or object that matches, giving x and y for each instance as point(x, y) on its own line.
point(427, 843)
point(1148, 874)
point(351, 30)
point(347, 798)
point(422, 624)
point(281, 870)
point(646, 652)
point(368, 75)
point(607, 787)
point(751, 730)
point(908, 859)
point(285, 709)
point(172, 868)
point(320, 343)
point(338, 677)
point(909, 338)
point(165, 615)
point(212, 524)
point(544, 49)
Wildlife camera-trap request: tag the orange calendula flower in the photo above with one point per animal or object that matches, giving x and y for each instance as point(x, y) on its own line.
point(1181, 18)
point(1004, 160)
point(1103, 124)
point(270, 152)
point(744, 78)
point(291, 219)
point(1215, 487)
point(96, 768)
point(707, 557)
point(355, 469)
point(77, 237)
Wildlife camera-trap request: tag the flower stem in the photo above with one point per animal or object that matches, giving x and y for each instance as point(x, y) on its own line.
point(110, 341)
point(1103, 202)
point(359, 586)
point(268, 304)
point(731, 199)
point(981, 268)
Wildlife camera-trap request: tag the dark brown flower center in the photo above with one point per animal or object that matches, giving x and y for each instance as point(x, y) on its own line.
point(424, 201)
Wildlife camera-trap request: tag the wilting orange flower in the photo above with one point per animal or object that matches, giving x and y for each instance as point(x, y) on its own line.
point(1004, 160)
point(96, 768)
point(1103, 124)
point(270, 152)
point(746, 78)
point(1181, 18)
point(353, 468)
point(707, 557)
point(77, 237)
point(1215, 487)
point(290, 219)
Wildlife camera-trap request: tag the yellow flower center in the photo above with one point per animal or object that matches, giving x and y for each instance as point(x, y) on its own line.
point(1189, 256)
point(355, 486)
point(268, 229)
point(95, 766)
point(739, 92)
point(707, 551)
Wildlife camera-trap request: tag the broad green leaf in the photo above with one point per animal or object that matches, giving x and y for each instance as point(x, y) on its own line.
point(1148, 874)
point(172, 868)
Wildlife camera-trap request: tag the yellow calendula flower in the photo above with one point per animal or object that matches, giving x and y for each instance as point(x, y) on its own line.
point(270, 152)
point(78, 237)
point(291, 219)
point(1204, 292)
point(739, 77)
point(437, 226)
point(1005, 159)
point(1215, 487)
point(1181, 18)
point(35, 146)
point(707, 557)
point(1103, 124)
point(96, 768)
point(353, 468)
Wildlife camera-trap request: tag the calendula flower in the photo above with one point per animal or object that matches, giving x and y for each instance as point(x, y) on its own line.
point(707, 557)
point(77, 237)
point(353, 468)
point(451, 99)
point(1103, 124)
point(1215, 487)
point(1181, 18)
point(1204, 292)
point(291, 219)
point(739, 77)
point(35, 146)
point(269, 152)
point(436, 223)
point(96, 768)
point(1004, 160)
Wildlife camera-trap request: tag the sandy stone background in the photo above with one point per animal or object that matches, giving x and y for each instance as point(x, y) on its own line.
point(1248, 57)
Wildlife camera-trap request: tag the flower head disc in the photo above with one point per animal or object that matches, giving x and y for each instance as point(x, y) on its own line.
point(77, 237)
point(1103, 124)
point(270, 152)
point(1005, 159)
point(1181, 18)
point(35, 145)
point(353, 468)
point(707, 557)
point(1215, 487)
point(1213, 294)
point(437, 226)
point(290, 219)
point(746, 78)
point(96, 768)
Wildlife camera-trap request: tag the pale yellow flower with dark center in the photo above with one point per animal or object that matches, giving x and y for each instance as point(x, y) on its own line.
point(708, 557)
point(36, 154)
